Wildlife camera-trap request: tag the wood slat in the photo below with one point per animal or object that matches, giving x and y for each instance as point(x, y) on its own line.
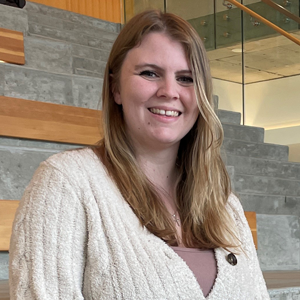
point(282, 279)
point(251, 218)
point(12, 46)
point(4, 290)
point(28, 119)
point(7, 213)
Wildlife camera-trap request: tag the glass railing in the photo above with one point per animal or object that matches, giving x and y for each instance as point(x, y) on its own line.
point(256, 71)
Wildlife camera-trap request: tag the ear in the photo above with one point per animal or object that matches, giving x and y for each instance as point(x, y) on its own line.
point(117, 97)
point(115, 91)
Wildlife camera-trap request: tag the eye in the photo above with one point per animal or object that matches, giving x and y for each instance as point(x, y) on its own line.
point(185, 79)
point(148, 73)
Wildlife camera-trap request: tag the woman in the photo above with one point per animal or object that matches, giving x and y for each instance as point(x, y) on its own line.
point(148, 214)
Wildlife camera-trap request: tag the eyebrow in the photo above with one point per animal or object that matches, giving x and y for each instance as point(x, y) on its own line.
point(154, 66)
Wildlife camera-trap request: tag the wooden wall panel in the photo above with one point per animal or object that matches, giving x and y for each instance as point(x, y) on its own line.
point(109, 10)
point(7, 213)
point(12, 46)
point(251, 218)
point(36, 120)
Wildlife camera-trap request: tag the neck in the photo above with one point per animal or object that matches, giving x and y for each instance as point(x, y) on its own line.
point(160, 168)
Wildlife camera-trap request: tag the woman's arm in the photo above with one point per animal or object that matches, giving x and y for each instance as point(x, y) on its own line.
point(47, 250)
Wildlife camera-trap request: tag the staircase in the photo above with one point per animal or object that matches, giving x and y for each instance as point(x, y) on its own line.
point(268, 184)
point(65, 59)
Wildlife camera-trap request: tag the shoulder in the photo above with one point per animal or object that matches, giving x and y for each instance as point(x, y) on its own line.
point(76, 170)
point(74, 164)
point(234, 207)
point(243, 230)
point(73, 159)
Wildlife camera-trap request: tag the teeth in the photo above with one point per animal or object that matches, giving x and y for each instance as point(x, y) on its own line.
point(169, 113)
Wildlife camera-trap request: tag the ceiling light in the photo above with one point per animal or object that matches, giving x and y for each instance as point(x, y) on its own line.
point(237, 50)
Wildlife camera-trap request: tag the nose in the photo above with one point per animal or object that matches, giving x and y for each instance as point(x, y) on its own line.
point(168, 88)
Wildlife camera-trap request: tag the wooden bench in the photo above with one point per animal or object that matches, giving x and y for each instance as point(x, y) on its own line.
point(12, 46)
point(36, 120)
point(7, 213)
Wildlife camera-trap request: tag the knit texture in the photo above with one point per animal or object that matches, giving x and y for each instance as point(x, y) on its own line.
point(75, 237)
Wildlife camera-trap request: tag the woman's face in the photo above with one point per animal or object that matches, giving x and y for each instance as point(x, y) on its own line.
point(156, 92)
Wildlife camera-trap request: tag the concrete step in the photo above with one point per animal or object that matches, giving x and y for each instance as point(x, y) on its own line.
point(216, 101)
point(285, 294)
point(3, 266)
point(244, 133)
point(270, 204)
point(60, 18)
point(62, 57)
point(278, 242)
point(65, 25)
point(266, 185)
point(13, 18)
point(264, 167)
point(229, 117)
point(19, 160)
point(256, 150)
point(26, 83)
point(70, 36)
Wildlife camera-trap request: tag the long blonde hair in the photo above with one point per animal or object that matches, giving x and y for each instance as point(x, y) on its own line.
point(204, 185)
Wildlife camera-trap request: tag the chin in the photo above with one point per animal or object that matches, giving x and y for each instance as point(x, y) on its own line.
point(167, 141)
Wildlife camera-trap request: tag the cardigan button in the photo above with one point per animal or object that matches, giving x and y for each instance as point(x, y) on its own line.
point(231, 258)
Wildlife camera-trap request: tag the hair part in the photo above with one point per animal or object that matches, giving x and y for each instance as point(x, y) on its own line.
point(204, 185)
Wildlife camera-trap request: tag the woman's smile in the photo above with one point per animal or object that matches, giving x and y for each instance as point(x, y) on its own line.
point(164, 112)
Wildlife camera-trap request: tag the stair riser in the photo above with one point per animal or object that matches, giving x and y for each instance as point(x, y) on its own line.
point(47, 11)
point(47, 55)
point(88, 67)
point(244, 133)
point(266, 185)
point(19, 160)
point(61, 57)
point(270, 204)
point(256, 150)
point(278, 242)
point(261, 167)
point(285, 294)
point(63, 25)
point(68, 36)
point(13, 19)
point(229, 117)
point(3, 266)
point(21, 82)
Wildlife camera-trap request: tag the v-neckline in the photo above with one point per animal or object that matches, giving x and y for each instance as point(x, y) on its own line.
point(198, 250)
point(217, 253)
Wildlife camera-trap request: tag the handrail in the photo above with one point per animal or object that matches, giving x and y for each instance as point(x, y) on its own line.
point(282, 10)
point(263, 20)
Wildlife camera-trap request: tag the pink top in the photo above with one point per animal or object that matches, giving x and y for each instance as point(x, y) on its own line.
point(202, 263)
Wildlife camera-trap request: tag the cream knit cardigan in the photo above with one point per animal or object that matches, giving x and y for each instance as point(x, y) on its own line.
point(74, 237)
